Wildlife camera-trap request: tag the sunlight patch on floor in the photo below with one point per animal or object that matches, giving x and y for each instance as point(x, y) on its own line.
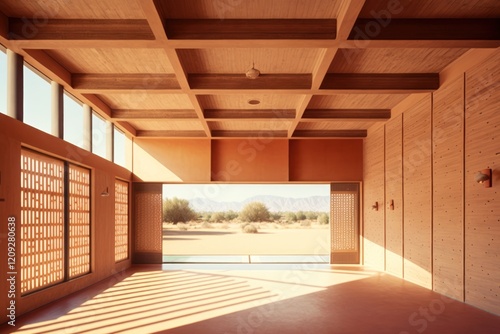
point(154, 300)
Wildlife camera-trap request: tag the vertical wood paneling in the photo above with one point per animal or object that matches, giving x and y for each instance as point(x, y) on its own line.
point(394, 192)
point(448, 142)
point(417, 155)
point(482, 150)
point(373, 233)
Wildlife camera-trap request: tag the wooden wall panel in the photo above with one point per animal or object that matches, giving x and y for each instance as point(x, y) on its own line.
point(394, 194)
point(448, 192)
point(417, 153)
point(171, 160)
point(482, 150)
point(148, 219)
point(14, 133)
point(326, 160)
point(373, 171)
point(250, 160)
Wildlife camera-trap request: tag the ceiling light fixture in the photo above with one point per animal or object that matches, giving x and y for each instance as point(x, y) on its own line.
point(252, 73)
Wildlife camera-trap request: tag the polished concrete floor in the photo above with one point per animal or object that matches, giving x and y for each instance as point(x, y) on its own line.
point(255, 299)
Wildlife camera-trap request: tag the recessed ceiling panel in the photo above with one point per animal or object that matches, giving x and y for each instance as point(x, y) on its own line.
point(240, 60)
point(261, 9)
point(125, 60)
point(393, 60)
point(166, 125)
point(356, 101)
point(72, 9)
point(431, 9)
point(249, 101)
point(146, 101)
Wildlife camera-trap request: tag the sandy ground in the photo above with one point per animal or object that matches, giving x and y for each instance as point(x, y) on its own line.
point(232, 241)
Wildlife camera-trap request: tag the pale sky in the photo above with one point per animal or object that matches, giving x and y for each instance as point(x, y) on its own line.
point(240, 192)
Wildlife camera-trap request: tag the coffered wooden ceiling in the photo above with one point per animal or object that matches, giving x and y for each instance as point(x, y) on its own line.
point(169, 68)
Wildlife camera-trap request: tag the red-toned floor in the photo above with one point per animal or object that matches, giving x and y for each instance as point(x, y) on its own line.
point(256, 299)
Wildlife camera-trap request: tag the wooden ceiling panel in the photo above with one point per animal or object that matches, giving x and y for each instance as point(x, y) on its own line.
point(267, 101)
point(91, 60)
point(143, 100)
point(168, 125)
point(356, 101)
point(72, 9)
point(170, 68)
point(432, 9)
point(237, 125)
point(393, 60)
point(257, 9)
point(335, 125)
point(238, 61)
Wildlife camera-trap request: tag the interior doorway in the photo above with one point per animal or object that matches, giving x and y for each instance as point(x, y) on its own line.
point(246, 223)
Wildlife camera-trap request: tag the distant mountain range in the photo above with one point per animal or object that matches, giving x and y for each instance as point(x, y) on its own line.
point(274, 204)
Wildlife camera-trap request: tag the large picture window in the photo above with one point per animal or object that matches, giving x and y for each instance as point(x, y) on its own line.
point(37, 100)
point(55, 221)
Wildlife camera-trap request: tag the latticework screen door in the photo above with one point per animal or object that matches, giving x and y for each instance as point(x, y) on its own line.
point(344, 214)
point(55, 221)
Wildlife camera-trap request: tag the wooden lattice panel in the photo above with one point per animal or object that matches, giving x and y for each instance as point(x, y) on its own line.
point(344, 223)
point(79, 221)
point(147, 223)
point(121, 220)
point(42, 221)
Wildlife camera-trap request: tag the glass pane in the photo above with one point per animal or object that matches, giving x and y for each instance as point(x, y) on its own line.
point(98, 136)
point(119, 147)
point(3, 82)
point(37, 100)
point(73, 120)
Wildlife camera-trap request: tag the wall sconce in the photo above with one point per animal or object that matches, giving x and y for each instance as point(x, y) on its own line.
point(391, 205)
point(484, 177)
point(105, 193)
point(375, 206)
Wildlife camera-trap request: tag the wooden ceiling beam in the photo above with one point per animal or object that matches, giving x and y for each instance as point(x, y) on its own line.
point(346, 114)
point(219, 114)
point(99, 82)
point(404, 82)
point(240, 81)
point(122, 114)
point(330, 134)
point(79, 29)
point(426, 29)
point(249, 133)
point(251, 29)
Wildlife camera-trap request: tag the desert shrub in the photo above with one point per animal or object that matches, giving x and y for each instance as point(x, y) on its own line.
point(323, 219)
point(301, 215)
point(249, 228)
point(206, 216)
point(217, 217)
point(230, 215)
point(255, 212)
point(177, 210)
point(311, 215)
point(275, 216)
point(290, 217)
